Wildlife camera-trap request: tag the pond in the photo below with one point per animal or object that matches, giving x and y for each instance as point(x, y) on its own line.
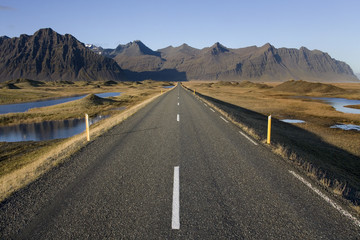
point(340, 103)
point(46, 130)
point(347, 127)
point(23, 107)
point(292, 121)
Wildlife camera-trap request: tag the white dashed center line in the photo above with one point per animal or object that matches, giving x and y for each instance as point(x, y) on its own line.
point(175, 222)
point(178, 118)
point(212, 110)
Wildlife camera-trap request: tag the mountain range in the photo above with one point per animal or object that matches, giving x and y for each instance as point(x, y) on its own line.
point(265, 63)
point(47, 55)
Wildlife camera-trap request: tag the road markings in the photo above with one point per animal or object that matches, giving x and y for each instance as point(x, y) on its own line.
point(175, 221)
point(212, 109)
point(224, 119)
point(248, 138)
point(178, 104)
point(205, 104)
point(178, 118)
point(327, 199)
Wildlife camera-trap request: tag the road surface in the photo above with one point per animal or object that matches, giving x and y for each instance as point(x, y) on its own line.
point(174, 170)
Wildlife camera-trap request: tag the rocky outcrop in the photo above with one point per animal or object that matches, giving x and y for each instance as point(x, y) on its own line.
point(47, 55)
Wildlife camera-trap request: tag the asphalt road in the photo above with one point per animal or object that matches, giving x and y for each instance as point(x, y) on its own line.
point(122, 186)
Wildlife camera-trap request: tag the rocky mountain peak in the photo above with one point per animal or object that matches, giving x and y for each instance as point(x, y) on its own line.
point(304, 49)
point(184, 45)
point(218, 48)
point(135, 48)
point(267, 47)
point(47, 55)
point(3, 38)
point(45, 33)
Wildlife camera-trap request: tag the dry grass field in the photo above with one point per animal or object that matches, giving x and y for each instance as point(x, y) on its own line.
point(318, 115)
point(22, 162)
point(332, 156)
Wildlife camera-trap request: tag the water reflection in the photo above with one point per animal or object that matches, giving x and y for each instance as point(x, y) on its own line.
point(46, 130)
point(23, 107)
point(347, 127)
point(340, 103)
point(292, 121)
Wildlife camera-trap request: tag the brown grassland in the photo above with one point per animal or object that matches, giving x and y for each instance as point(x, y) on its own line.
point(22, 162)
point(329, 156)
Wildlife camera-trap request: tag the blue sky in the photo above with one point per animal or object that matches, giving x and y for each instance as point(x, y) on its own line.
point(328, 25)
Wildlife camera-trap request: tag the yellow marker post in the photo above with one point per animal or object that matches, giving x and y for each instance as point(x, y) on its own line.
point(194, 91)
point(269, 130)
point(87, 127)
point(161, 91)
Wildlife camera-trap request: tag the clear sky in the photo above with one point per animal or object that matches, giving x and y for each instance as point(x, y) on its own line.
point(331, 26)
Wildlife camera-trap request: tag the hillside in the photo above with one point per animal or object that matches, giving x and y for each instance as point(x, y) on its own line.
point(47, 55)
point(265, 63)
point(303, 87)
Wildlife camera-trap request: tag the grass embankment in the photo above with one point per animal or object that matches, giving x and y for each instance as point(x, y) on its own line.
point(22, 162)
point(331, 156)
point(353, 106)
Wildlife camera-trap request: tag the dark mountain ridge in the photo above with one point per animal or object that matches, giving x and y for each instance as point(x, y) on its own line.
point(265, 63)
point(47, 55)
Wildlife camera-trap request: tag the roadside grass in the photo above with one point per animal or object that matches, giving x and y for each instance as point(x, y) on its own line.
point(329, 156)
point(16, 155)
point(23, 162)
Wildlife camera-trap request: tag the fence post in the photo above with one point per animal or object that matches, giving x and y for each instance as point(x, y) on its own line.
point(269, 130)
point(87, 127)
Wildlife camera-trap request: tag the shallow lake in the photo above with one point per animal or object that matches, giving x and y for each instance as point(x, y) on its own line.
point(292, 121)
point(347, 127)
point(46, 130)
point(23, 107)
point(340, 103)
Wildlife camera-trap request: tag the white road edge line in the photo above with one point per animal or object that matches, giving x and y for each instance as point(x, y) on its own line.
point(248, 138)
point(178, 118)
point(327, 199)
point(212, 109)
point(224, 119)
point(175, 221)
